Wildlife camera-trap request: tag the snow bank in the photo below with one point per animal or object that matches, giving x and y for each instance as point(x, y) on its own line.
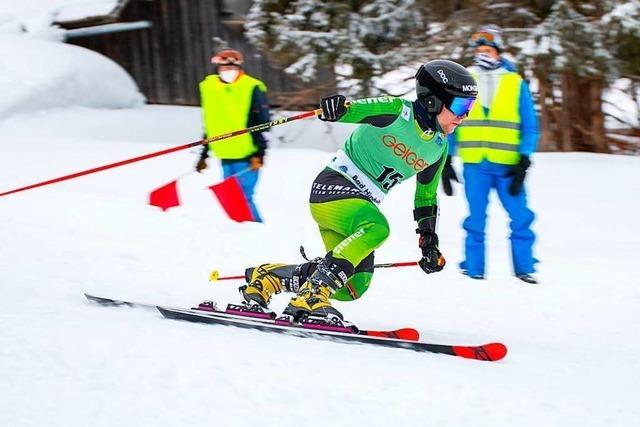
point(39, 74)
point(24, 11)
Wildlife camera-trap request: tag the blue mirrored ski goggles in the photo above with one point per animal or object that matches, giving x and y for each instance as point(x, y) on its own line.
point(461, 106)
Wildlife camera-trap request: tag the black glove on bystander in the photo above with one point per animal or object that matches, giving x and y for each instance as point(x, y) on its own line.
point(448, 175)
point(432, 260)
point(518, 172)
point(333, 107)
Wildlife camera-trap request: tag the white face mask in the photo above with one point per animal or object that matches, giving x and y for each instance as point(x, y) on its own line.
point(229, 76)
point(486, 61)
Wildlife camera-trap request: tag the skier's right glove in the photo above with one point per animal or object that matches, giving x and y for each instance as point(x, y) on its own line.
point(333, 107)
point(432, 260)
point(448, 175)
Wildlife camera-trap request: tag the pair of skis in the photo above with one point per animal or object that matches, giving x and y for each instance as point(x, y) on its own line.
point(407, 338)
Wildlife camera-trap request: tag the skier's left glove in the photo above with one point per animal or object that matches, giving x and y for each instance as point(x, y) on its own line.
point(518, 172)
point(432, 260)
point(333, 107)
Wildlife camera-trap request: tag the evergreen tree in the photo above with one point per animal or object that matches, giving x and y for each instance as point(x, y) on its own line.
point(622, 23)
point(357, 39)
point(567, 40)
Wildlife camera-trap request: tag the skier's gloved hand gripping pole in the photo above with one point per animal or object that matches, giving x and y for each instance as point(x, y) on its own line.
point(333, 107)
point(263, 126)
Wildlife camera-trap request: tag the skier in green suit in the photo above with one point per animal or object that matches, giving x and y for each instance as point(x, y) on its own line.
point(397, 139)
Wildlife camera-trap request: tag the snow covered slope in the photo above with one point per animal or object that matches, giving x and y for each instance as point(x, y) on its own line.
point(65, 362)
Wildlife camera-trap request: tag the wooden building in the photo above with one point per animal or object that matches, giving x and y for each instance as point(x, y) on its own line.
point(166, 46)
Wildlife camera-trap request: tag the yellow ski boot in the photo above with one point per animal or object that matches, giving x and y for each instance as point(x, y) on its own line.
point(266, 280)
point(312, 299)
point(263, 284)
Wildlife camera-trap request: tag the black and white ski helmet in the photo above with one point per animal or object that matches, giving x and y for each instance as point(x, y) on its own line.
point(440, 82)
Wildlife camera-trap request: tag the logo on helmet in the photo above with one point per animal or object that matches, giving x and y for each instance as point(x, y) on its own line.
point(443, 76)
point(469, 88)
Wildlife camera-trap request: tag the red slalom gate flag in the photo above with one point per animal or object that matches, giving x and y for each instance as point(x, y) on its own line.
point(165, 197)
point(232, 198)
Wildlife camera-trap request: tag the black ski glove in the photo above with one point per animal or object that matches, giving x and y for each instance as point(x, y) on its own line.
point(518, 172)
point(333, 107)
point(432, 260)
point(448, 174)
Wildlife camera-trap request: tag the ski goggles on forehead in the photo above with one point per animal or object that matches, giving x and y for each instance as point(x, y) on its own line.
point(483, 37)
point(226, 60)
point(461, 106)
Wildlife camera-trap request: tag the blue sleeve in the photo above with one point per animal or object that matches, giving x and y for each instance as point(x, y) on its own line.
point(453, 140)
point(529, 129)
point(508, 65)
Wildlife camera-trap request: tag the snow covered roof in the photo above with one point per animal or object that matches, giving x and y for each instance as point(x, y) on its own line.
point(69, 13)
point(89, 12)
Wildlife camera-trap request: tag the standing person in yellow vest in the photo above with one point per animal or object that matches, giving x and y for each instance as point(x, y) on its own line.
point(233, 100)
point(495, 144)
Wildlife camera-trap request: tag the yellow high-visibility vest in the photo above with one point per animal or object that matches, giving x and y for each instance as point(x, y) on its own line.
point(496, 136)
point(225, 108)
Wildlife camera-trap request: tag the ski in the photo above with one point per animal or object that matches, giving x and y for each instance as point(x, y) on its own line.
point(406, 338)
point(487, 352)
point(408, 334)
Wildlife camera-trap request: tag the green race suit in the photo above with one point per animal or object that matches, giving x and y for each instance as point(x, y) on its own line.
point(389, 147)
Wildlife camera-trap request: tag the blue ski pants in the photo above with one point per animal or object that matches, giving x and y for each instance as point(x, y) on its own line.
point(247, 180)
point(479, 179)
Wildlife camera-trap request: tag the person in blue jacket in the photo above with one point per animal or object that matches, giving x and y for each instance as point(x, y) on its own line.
point(495, 144)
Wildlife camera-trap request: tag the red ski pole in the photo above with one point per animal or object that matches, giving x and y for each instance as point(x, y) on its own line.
point(215, 274)
point(256, 128)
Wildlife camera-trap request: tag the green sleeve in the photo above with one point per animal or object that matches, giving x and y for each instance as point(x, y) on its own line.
point(426, 198)
point(380, 111)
